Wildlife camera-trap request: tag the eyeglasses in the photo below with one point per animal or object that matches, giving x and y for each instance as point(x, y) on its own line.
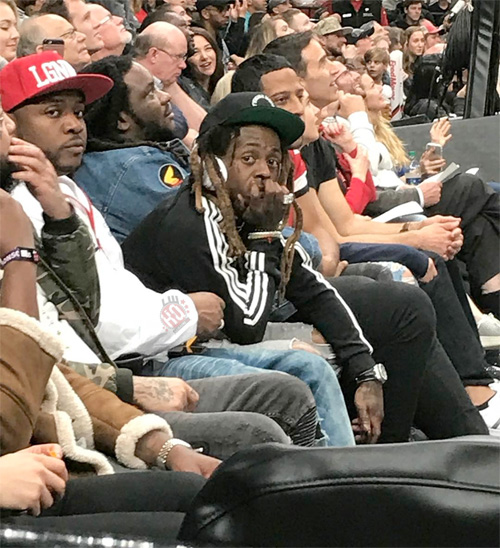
point(69, 35)
point(104, 20)
point(177, 56)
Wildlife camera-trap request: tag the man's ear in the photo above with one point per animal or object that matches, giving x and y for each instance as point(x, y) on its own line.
point(124, 123)
point(39, 49)
point(205, 14)
point(152, 55)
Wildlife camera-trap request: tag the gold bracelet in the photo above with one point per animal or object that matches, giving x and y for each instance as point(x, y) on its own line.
point(166, 448)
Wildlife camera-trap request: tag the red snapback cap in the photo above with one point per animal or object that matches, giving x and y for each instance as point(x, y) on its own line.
point(430, 28)
point(47, 72)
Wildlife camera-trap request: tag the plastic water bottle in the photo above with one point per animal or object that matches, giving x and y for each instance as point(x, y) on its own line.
point(413, 177)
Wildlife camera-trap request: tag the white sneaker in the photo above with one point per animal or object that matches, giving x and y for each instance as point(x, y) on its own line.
point(490, 412)
point(489, 331)
point(495, 385)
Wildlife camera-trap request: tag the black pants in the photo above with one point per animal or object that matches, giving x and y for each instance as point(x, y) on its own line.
point(455, 325)
point(142, 504)
point(467, 197)
point(423, 387)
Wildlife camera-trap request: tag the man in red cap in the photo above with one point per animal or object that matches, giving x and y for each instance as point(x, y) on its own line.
point(31, 82)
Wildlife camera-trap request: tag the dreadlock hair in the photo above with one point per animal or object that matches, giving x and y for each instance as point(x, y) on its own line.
point(458, 49)
point(216, 143)
point(102, 116)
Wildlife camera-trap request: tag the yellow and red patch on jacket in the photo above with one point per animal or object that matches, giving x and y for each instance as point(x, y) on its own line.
point(170, 175)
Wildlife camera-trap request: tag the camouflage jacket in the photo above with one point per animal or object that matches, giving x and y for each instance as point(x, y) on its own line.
point(67, 273)
point(67, 248)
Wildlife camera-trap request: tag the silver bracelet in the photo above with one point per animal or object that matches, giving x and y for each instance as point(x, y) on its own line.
point(264, 235)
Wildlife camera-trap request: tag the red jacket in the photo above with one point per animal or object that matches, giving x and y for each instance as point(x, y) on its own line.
point(358, 193)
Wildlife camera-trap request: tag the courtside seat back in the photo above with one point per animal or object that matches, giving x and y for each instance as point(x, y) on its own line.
point(436, 493)
point(474, 144)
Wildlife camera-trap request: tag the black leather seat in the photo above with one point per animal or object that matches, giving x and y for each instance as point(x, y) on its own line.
point(435, 493)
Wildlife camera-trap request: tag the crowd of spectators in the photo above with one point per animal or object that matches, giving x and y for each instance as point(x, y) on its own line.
point(191, 252)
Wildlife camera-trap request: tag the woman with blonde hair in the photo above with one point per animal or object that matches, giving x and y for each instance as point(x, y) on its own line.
point(222, 88)
point(466, 197)
point(265, 32)
point(270, 28)
point(9, 35)
point(388, 157)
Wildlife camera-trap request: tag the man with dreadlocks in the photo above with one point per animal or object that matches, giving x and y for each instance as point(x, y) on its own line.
point(222, 234)
point(133, 160)
point(136, 325)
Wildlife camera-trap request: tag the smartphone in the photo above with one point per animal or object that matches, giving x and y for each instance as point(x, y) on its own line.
point(438, 149)
point(54, 44)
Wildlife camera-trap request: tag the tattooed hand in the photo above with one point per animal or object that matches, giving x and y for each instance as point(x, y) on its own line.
point(161, 394)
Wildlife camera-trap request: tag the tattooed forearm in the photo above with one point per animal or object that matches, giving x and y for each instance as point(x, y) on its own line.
point(155, 390)
point(160, 394)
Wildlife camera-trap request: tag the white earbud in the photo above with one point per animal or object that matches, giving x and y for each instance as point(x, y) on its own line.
point(207, 183)
point(222, 168)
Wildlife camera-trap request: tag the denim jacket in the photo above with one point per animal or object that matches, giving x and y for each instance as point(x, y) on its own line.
point(126, 184)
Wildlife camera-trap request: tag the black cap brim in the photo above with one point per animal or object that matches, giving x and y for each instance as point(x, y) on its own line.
point(288, 126)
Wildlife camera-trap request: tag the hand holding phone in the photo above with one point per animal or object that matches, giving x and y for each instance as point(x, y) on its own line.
point(54, 44)
point(431, 162)
point(435, 150)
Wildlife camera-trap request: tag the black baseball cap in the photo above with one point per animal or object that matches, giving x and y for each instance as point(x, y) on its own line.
point(202, 4)
point(249, 108)
point(273, 3)
point(364, 31)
